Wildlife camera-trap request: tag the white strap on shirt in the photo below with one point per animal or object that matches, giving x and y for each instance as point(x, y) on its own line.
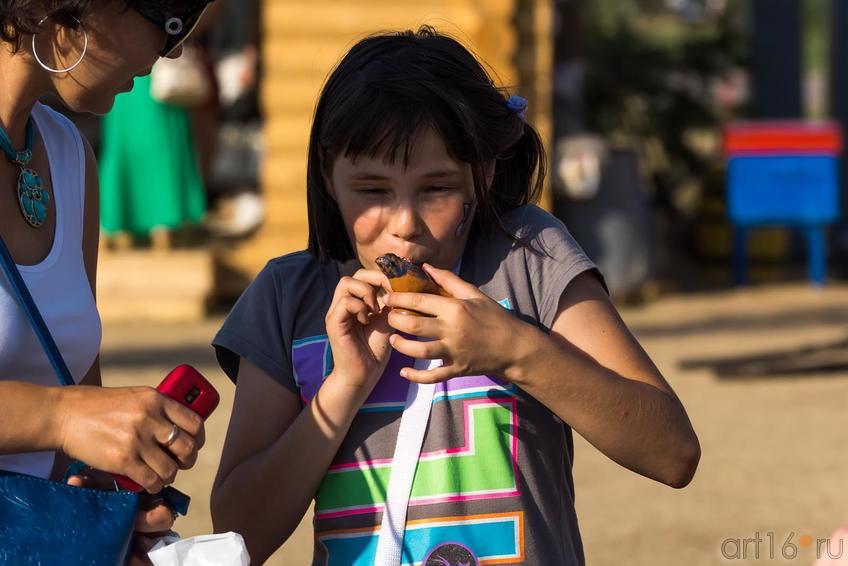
point(413, 424)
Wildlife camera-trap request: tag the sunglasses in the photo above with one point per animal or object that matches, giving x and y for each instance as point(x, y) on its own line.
point(177, 26)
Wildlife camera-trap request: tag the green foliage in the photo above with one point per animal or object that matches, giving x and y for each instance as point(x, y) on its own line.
point(650, 78)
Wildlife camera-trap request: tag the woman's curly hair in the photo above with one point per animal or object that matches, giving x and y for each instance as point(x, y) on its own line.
point(19, 18)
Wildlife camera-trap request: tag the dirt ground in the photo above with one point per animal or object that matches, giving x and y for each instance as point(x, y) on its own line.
point(764, 375)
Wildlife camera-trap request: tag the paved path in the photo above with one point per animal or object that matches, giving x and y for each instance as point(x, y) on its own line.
point(763, 374)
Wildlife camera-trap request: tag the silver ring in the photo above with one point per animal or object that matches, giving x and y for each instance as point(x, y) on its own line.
point(67, 69)
point(175, 432)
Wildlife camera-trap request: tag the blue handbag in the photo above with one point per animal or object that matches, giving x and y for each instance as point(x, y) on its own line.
point(47, 522)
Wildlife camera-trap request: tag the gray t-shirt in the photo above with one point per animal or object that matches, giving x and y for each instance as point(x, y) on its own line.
point(494, 478)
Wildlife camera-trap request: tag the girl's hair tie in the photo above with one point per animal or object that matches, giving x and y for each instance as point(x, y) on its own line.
point(518, 105)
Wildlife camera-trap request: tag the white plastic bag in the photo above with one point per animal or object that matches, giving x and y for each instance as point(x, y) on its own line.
point(226, 549)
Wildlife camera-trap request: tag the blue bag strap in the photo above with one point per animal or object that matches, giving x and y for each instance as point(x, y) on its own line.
point(35, 319)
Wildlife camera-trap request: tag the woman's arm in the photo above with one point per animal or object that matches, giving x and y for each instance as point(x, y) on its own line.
point(590, 371)
point(29, 417)
point(62, 461)
point(118, 430)
point(276, 455)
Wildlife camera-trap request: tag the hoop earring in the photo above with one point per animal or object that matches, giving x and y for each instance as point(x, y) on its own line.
point(68, 69)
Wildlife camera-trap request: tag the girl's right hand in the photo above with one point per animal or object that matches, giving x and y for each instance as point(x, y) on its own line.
point(123, 430)
point(358, 330)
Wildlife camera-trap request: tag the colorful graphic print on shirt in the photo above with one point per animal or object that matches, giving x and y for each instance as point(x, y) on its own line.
point(480, 465)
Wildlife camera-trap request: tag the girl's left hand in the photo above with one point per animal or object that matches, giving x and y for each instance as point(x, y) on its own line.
point(469, 332)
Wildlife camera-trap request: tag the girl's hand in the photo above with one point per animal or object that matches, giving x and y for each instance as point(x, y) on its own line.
point(123, 431)
point(470, 332)
point(358, 330)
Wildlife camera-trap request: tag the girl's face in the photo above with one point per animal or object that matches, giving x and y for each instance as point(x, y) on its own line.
point(121, 45)
point(411, 211)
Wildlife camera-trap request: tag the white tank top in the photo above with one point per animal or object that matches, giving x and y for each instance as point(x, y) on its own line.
point(59, 285)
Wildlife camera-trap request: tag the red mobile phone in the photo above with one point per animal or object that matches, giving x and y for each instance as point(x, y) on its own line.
point(187, 386)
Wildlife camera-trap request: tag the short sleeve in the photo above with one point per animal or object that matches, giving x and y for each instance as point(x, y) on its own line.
point(255, 330)
point(553, 260)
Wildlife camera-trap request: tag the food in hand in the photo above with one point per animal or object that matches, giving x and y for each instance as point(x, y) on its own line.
point(406, 276)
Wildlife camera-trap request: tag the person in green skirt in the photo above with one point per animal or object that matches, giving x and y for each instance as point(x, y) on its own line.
point(150, 178)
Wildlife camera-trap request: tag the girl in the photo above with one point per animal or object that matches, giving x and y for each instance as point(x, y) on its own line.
point(414, 151)
point(82, 52)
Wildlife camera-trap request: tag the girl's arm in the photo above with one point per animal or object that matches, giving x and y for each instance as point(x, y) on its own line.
point(590, 371)
point(276, 455)
point(595, 376)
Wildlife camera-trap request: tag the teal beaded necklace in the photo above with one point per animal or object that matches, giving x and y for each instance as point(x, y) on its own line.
point(32, 196)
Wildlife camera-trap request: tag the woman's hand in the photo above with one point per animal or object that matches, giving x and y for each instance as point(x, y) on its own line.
point(358, 330)
point(470, 332)
point(153, 520)
point(124, 431)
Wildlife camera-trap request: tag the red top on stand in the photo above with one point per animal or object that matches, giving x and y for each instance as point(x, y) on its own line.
point(782, 138)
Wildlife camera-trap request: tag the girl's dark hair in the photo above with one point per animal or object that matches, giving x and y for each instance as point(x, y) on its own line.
point(19, 18)
point(383, 92)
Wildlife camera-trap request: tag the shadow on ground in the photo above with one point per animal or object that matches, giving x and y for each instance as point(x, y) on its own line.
point(827, 359)
point(743, 321)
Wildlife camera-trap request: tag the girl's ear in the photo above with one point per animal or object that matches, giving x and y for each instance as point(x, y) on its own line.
point(489, 171)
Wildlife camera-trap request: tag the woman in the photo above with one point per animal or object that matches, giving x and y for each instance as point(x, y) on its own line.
point(84, 53)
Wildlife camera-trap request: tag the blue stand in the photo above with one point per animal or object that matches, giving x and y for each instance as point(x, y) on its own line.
point(783, 190)
point(816, 254)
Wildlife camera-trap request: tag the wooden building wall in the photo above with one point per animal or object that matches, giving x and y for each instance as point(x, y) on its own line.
point(303, 40)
